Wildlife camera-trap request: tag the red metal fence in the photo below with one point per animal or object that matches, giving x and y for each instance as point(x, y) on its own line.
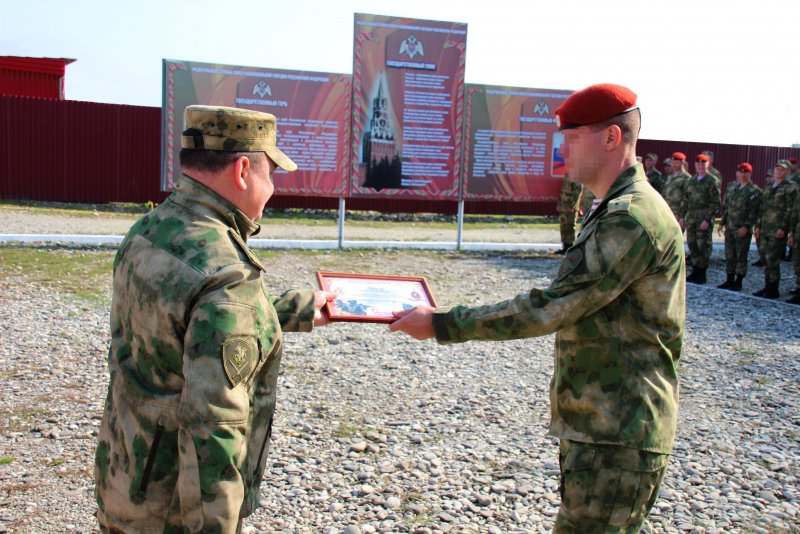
point(71, 151)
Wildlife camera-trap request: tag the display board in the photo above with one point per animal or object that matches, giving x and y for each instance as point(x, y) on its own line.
point(408, 91)
point(512, 144)
point(313, 111)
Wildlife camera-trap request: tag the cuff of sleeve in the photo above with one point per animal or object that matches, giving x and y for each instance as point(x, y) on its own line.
point(441, 320)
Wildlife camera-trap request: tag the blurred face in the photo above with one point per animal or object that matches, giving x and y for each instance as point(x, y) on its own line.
point(260, 184)
point(743, 176)
point(582, 150)
point(677, 165)
point(780, 173)
point(701, 166)
point(649, 164)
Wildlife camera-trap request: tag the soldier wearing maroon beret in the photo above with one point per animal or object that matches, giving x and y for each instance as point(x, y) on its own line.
point(617, 305)
point(741, 208)
point(674, 184)
point(699, 207)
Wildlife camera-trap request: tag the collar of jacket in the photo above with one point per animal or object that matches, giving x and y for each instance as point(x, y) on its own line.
point(628, 177)
point(208, 202)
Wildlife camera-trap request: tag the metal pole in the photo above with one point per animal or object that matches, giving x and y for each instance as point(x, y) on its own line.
point(341, 222)
point(460, 225)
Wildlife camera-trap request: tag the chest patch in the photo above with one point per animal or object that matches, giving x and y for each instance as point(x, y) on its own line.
point(238, 356)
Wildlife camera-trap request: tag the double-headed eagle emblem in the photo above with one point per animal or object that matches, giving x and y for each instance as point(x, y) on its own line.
point(262, 89)
point(411, 46)
point(541, 108)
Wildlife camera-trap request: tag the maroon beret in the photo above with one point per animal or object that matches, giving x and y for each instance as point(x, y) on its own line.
point(596, 103)
point(701, 157)
point(679, 155)
point(745, 167)
point(793, 161)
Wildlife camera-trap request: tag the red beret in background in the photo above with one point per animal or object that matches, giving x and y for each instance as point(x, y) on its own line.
point(596, 103)
point(745, 167)
point(701, 157)
point(793, 161)
point(679, 155)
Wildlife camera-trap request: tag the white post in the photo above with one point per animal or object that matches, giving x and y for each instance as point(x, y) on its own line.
point(341, 222)
point(460, 224)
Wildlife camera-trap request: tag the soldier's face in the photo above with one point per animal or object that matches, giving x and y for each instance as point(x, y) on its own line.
point(262, 186)
point(582, 150)
point(780, 172)
point(701, 166)
point(649, 164)
point(743, 176)
point(677, 165)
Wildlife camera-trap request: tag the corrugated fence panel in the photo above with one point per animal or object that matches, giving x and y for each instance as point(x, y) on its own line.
point(72, 151)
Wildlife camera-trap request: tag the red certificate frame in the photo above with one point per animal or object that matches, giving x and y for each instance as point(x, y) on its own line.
point(373, 297)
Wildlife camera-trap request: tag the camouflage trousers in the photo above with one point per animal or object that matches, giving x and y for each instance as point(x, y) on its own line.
point(606, 488)
point(566, 225)
point(736, 251)
point(796, 260)
point(774, 249)
point(699, 242)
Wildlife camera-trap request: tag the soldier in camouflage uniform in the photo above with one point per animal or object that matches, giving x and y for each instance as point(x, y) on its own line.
point(196, 340)
point(699, 207)
point(794, 243)
point(617, 305)
point(674, 184)
point(794, 175)
point(568, 212)
point(740, 211)
point(713, 171)
point(773, 227)
point(654, 176)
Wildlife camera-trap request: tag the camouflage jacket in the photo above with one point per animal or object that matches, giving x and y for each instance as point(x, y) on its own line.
point(194, 358)
point(794, 216)
point(700, 199)
point(776, 206)
point(673, 191)
point(656, 179)
point(742, 206)
point(618, 307)
point(569, 197)
point(713, 171)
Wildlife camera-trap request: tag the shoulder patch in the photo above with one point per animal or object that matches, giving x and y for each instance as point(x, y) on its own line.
point(244, 248)
point(622, 204)
point(570, 262)
point(238, 357)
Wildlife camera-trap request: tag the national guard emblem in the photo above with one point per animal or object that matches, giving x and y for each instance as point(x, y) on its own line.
point(541, 108)
point(238, 356)
point(411, 46)
point(262, 89)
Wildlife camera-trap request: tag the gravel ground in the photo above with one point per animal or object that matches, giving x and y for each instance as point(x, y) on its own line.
point(376, 432)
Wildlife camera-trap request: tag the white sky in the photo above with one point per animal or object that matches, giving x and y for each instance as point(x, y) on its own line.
point(705, 70)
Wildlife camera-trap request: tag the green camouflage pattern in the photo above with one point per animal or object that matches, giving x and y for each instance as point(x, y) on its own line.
point(568, 209)
point(233, 130)
point(740, 209)
point(673, 191)
point(777, 200)
point(794, 225)
point(618, 307)
point(713, 171)
point(700, 203)
point(606, 488)
point(656, 179)
point(194, 359)
point(587, 197)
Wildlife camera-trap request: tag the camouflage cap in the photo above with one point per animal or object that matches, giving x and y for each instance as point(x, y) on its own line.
point(233, 130)
point(785, 164)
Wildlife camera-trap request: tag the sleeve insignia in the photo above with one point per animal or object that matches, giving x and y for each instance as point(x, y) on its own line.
point(238, 355)
point(573, 258)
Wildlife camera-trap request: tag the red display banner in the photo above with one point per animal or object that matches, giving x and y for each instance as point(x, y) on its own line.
point(512, 144)
point(313, 110)
point(408, 91)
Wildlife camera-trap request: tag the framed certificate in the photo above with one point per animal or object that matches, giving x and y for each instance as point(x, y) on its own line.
point(372, 297)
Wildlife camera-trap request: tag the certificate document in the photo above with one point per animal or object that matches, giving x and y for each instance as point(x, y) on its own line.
point(371, 297)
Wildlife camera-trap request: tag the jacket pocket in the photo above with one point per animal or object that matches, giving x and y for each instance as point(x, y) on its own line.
point(151, 458)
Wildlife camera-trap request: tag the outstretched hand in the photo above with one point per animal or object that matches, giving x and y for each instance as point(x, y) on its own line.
point(416, 322)
point(320, 299)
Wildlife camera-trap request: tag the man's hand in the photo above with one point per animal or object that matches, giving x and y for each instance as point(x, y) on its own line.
point(320, 299)
point(416, 322)
point(704, 225)
point(779, 233)
point(741, 232)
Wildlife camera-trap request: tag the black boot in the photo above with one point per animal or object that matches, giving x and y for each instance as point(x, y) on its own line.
point(737, 283)
point(772, 290)
point(691, 276)
point(795, 291)
point(760, 292)
point(699, 275)
point(795, 299)
point(728, 283)
point(758, 263)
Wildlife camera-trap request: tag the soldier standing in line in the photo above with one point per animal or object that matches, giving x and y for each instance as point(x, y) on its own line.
point(654, 176)
point(794, 175)
point(740, 211)
point(713, 171)
point(762, 261)
point(618, 307)
point(794, 243)
point(699, 207)
point(567, 207)
point(674, 184)
point(774, 226)
point(196, 340)
point(666, 170)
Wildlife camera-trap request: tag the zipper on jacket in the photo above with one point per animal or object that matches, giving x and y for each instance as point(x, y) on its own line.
point(151, 459)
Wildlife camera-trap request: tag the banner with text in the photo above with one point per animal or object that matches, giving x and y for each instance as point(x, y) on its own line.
point(408, 93)
point(512, 144)
point(313, 110)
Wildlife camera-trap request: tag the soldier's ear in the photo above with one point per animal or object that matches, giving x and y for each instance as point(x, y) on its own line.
point(239, 172)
